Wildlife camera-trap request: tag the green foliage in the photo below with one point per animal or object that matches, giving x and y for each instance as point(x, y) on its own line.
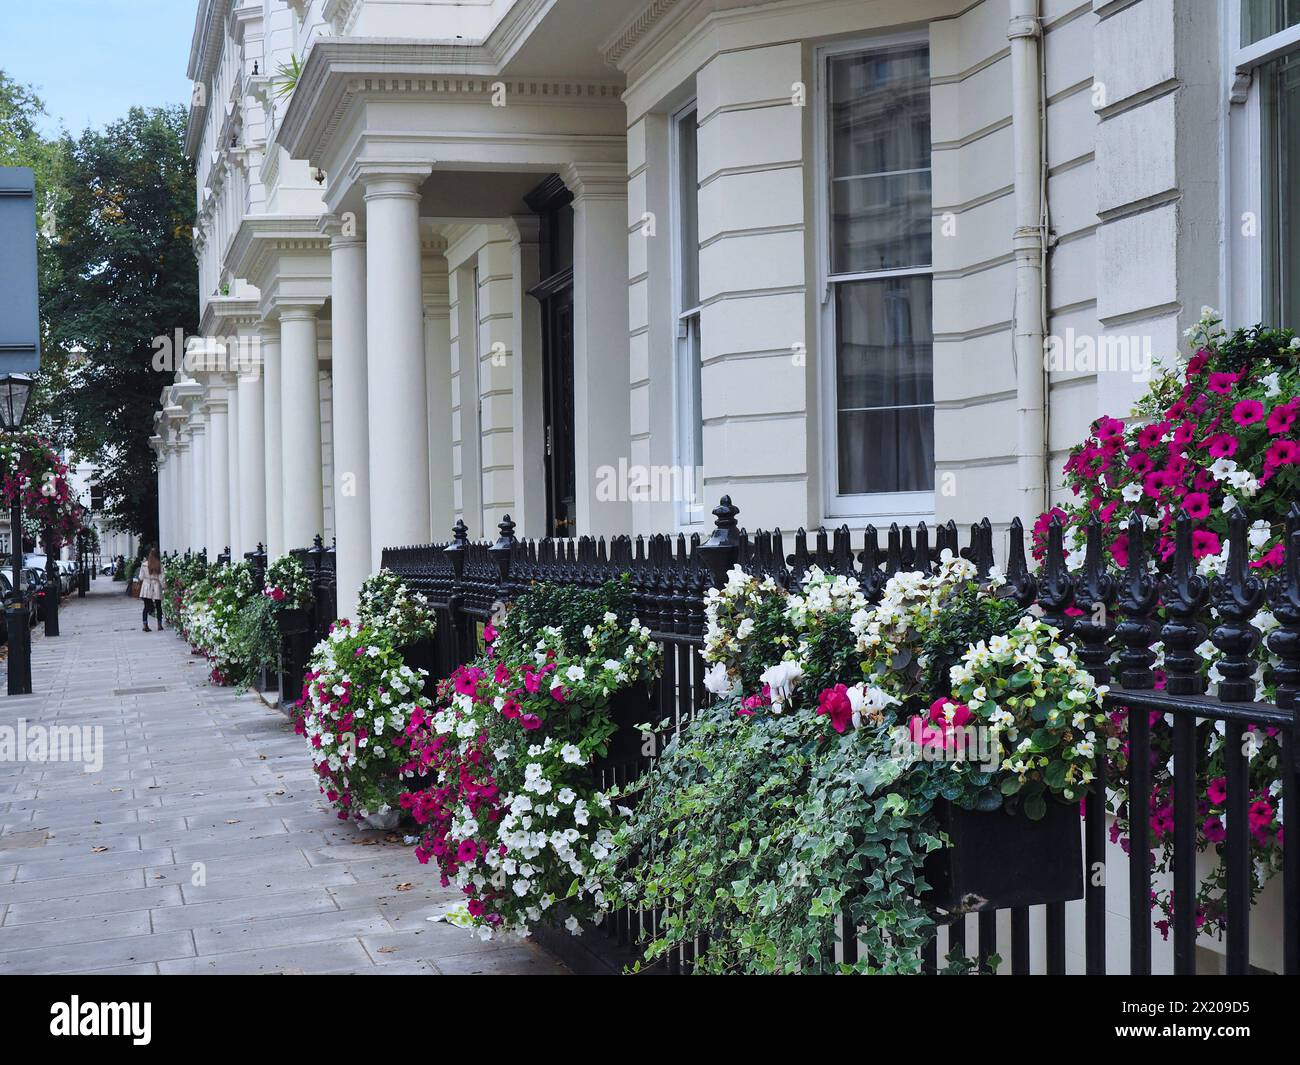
point(385, 602)
point(254, 641)
point(759, 835)
point(565, 608)
point(119, 271)
point(966, 618)
point(286, 76)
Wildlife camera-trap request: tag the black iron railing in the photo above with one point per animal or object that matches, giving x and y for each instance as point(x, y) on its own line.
point(1115, 617)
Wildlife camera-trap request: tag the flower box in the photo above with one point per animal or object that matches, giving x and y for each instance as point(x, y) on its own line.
point(997, 860)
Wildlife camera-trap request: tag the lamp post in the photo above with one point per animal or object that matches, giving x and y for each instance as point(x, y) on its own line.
point(15, 390)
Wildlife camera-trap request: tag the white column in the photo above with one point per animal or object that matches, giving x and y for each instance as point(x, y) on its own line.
point(273, 474)
point(233, 464)
point(218, 468)
point(300, 427)
point(351, 420)
point(164, 460)
point(199, 486)
point(601, 369)
point(399, 460)
point(181, 491)
point(180, 534)
point(252, 466)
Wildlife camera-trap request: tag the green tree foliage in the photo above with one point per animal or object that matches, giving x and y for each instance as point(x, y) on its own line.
point(123, 273)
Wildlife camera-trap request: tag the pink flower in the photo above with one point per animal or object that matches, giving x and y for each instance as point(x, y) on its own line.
point(1139, 462)
point(1222, 383)
point(1214, 830)
point(1217, 791)
point(530, 722)
point(1221, 445)
point(1150, 435)
point(1274, 557)
point(925, 735)
point(1197, 505)
point(960, 713)
point(489, 633)
point(834, 702)
point(1204, 543)
point(1119, 550)
point(1260, 815)
point(1197, 363)
point(1282, 453)
point(466, 852)
point(1282, 418)
point(1248, 412)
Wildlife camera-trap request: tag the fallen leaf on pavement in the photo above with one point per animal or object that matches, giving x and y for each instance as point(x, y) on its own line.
point(405, 886)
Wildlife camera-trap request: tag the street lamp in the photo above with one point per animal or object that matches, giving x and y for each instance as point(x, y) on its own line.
point(15, 391)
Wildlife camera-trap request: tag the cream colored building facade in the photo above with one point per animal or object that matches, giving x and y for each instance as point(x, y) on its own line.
point(597, 262)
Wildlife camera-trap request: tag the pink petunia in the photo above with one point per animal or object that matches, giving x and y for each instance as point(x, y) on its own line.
point(1197, 505)
point(1281, 418)
point(1139, 462)
point(1282, 453)
point(1222, 383)
point(1274, 557)
point(1119, 550)
point(1205, 543)
point(1217, 791)
point(1221, 445)
point(1248, 412)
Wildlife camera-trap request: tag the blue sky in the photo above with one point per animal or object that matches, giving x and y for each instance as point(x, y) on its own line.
point(92, 60)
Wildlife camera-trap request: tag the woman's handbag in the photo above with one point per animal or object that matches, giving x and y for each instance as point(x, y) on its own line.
point(135, 587)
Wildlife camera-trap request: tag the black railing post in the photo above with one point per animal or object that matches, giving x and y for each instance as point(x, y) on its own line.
point(456, 552)
point(722, 549)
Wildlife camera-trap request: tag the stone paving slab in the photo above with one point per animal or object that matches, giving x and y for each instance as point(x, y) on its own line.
point(202, 844)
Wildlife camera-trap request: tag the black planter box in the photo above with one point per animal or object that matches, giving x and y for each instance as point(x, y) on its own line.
point(999, 860)
point(294, 621)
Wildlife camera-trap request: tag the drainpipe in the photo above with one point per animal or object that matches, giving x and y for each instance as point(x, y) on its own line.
point(1030, 245)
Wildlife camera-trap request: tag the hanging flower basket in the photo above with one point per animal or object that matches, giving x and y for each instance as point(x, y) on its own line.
point(998, 859)
point(33, 474)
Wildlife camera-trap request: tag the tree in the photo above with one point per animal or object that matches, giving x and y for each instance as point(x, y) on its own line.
point(122, 272)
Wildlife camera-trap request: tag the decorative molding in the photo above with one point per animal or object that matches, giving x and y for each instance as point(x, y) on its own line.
point(338, 70)
point(634, 31)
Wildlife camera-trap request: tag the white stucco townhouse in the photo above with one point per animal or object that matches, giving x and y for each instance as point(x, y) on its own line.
point(553, 257)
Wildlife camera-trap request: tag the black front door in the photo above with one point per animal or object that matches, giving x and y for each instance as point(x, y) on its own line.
point(557, 384)
point(553, 204)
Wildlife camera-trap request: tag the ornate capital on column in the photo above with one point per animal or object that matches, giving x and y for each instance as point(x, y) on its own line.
point(392, 181)
point(596, 181)
point(343, 232)
point(298, 312)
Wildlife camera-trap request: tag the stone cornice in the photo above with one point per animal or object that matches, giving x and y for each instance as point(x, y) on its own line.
point(263, 236)
point(634, 31)
point(338, 70)
point(224, 312)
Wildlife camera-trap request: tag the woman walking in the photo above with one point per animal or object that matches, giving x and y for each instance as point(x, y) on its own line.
point(151, 588)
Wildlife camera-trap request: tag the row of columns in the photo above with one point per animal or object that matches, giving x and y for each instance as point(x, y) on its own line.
point(244, 464)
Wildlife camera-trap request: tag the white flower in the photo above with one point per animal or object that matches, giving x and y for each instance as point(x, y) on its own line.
point(781, 679)
point(1132, 492)
point(717, 681)
point(571, 754)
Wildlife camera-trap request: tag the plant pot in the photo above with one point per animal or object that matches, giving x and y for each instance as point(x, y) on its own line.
point(998, 860)
point(384, 822)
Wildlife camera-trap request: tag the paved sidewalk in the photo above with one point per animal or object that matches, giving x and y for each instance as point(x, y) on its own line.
point(203, 845)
